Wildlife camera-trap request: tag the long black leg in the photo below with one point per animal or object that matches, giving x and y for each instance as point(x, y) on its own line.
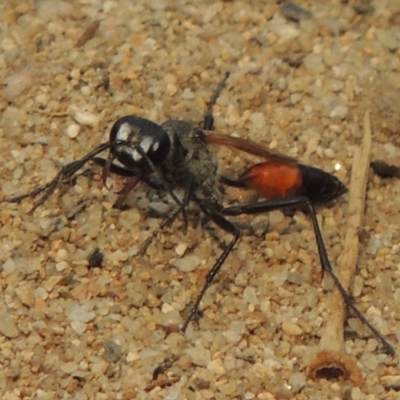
point(182, 207)
point(66, 172)
point(269, 205)
point(227, 226)
point(171, 218)
point(122, 171)
point(232, 182)
point(189, 186)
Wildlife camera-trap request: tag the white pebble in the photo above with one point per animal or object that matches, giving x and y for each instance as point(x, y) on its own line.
point(211, 12)
point(81, 313)
point(276, 216)
point(339, 111)
point(199, 355)
point(132, 357)
point(69, 367)
point(8, 267)
point(232, 336)
point(72, 131)
point(18, 83)
point(7, 325)
point(249, 295)
point(26, 294)
point(41, 294)
point(62, 255)
point(387, 38)
point(188, 263)
point(297, 380)
point(78, 327)
point(166, 308)
point(180, 249)
point(160, 207)
point(295, 97)
point(84, 117)
point(258, 120)
point(216, 366)
point(99, 368)
point(61, 266)
point(291, 329)
point(329, 153)
point(314, 64)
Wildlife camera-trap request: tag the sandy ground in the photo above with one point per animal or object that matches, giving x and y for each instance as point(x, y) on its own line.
point(68, 71)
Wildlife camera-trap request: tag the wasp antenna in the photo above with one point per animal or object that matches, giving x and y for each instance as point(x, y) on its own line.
point(66, 172)
point(208, 124)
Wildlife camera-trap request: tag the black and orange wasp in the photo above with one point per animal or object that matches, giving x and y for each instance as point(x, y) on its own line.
point(177, 155)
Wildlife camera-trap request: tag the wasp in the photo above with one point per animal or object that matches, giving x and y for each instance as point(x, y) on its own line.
point(177, 155)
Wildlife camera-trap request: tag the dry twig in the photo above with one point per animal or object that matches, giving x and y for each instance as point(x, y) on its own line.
point(331, 360)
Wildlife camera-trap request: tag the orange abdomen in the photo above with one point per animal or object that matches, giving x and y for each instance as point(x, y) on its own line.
point(274, 180)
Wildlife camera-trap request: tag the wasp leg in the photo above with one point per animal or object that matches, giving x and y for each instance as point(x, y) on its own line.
point(270, 205)
point(172, 216)
point(231, 182)
point(227, 226)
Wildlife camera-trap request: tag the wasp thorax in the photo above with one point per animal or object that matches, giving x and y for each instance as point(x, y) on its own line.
point(138, 142)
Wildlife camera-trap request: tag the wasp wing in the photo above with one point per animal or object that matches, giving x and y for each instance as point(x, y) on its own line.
point(248, 146)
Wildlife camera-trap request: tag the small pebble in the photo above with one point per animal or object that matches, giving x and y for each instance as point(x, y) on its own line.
point(258, 119)
point(387, 39)
point(99, 368)
point(339, 111)
point(81, 313)
point(113, 352)
point(26, 294)
point(199, 355)
point(61, 266)
point(390, 381)
point(314, 64)
point(72, 131)
point(228, 388)
point(19, 82)
point(294, 12)
point(69, 368)
point(216, 366)
point(160, 208)
point(180, 249)
point(84, 117)
point(249, 295)
point(276, 216)
point(7, 326)
point(188, 263)
point(232, 336)
point(8, 267)
point(78, 327)
point(297, 380)
point(96, 258)
point(291, 329)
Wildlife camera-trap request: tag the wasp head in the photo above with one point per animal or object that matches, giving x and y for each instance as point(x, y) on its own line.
point(138, 144)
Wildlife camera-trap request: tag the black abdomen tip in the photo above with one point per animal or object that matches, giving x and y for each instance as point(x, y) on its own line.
point(320, 186)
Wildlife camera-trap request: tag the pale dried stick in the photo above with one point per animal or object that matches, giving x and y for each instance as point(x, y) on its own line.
point(331, 358)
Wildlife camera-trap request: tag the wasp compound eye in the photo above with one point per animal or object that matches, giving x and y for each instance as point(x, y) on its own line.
point(134, 137)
